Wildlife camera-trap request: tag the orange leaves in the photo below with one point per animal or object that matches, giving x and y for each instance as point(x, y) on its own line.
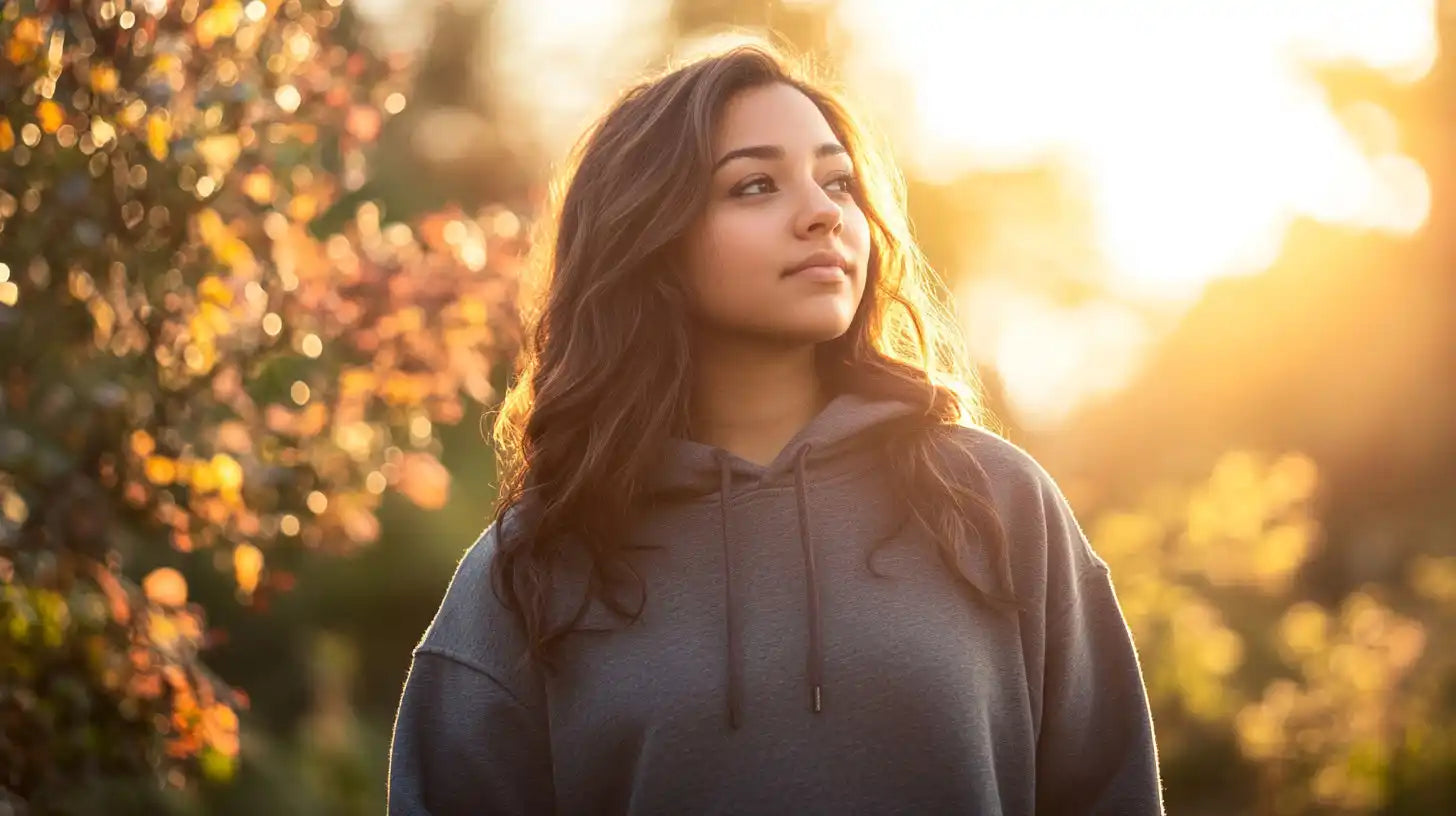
point(161, 470)
point(165, 586)
point(258, 186)
point(423, 480)
point(103, 78)
point(50, 116)
point(247, 566)
point(247, 404)
point(159, 135)
point(363, 122)
point(25, 41)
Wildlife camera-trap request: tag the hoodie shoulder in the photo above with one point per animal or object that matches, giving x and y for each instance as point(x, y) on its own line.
point(1046, 544)
point(473, 627)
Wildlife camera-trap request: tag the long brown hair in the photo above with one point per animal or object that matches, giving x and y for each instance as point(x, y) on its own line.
point(577, 437)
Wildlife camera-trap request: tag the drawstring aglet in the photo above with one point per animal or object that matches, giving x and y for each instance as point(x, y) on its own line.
point(818, 701)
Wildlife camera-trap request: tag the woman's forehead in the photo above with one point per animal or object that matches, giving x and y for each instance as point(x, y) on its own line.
point(772, 115)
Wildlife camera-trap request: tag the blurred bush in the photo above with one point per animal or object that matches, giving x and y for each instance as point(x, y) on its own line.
point(190, 362)
point(1264, 697)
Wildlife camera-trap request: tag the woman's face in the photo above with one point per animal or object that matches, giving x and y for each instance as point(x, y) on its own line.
point(779, 254)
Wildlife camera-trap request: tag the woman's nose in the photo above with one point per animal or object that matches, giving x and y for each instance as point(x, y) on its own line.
point(819, 213)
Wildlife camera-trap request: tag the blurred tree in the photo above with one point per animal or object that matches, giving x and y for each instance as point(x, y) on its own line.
point(185, 366)
point(806, 25)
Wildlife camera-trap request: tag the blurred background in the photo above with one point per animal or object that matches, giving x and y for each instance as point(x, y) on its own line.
point(259, 266)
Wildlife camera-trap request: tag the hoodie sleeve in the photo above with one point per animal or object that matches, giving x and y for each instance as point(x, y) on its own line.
point(1095, 751)
point(471, 734)
point(1095, 754)
point(463, 744)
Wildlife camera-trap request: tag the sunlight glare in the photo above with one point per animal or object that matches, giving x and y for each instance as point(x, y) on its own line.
point(1196, 130)
point(1195, 126)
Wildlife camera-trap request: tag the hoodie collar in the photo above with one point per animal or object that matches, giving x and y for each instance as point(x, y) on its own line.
point(847, 427)
point(840, 439)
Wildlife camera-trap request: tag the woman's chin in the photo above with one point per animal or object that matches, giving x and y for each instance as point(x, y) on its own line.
point(816, 329)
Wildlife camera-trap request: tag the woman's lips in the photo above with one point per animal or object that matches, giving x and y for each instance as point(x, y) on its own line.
point(820, 274)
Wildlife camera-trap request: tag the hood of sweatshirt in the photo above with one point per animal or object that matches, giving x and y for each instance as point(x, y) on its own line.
point(849, 434)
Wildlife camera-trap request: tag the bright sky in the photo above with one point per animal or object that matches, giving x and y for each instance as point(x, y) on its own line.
point(1192, 127)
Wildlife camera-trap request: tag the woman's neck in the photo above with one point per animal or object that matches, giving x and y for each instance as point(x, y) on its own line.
point(751, 401)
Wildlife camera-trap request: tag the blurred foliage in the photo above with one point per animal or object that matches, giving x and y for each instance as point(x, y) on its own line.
point(189, 364)
point(1260, 694)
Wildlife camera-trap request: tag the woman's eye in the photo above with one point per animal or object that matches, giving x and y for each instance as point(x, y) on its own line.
point(846, 183)
point(756, 186)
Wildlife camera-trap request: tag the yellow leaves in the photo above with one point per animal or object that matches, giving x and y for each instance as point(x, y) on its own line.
point(212, 290)
point(166, 587)
point(53, 614)
point(423, 480)
point(222, 474)
point(1434, 578)
point(473, 310)
point(225, 246)
point(1280, 551)
point(219, 21)
point(229, 473)
point(258, 186)
point(247, 566)
point(12, 506)
point(210, 226)
point(1261, 728)
point(401, 388)
point(220, 152)
point(1251, 524)
point(7, 135)
point(235, 253)
point(159, 134)
point(1304, 630)
point(50, 116)
point(132, 115)
point(217, 766)
point(103, 78)
point(1335, 716)
point(303, 207)
point(356, 382)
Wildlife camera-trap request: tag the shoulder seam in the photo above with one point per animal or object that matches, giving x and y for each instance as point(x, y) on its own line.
point(459, 659)
point(1093, 569)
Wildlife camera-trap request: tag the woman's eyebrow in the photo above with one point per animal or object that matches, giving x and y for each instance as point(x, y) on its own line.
point(775, 152)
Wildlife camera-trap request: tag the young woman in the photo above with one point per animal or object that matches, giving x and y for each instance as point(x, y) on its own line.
point(752, 554)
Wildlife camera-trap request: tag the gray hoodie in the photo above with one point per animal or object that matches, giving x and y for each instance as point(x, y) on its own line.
point(771, 672)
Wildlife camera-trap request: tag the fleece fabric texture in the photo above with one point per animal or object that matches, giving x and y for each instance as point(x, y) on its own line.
point(772, 672)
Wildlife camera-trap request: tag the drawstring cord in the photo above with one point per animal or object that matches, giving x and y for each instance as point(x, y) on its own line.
point(735, 651)
point(816, 634)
